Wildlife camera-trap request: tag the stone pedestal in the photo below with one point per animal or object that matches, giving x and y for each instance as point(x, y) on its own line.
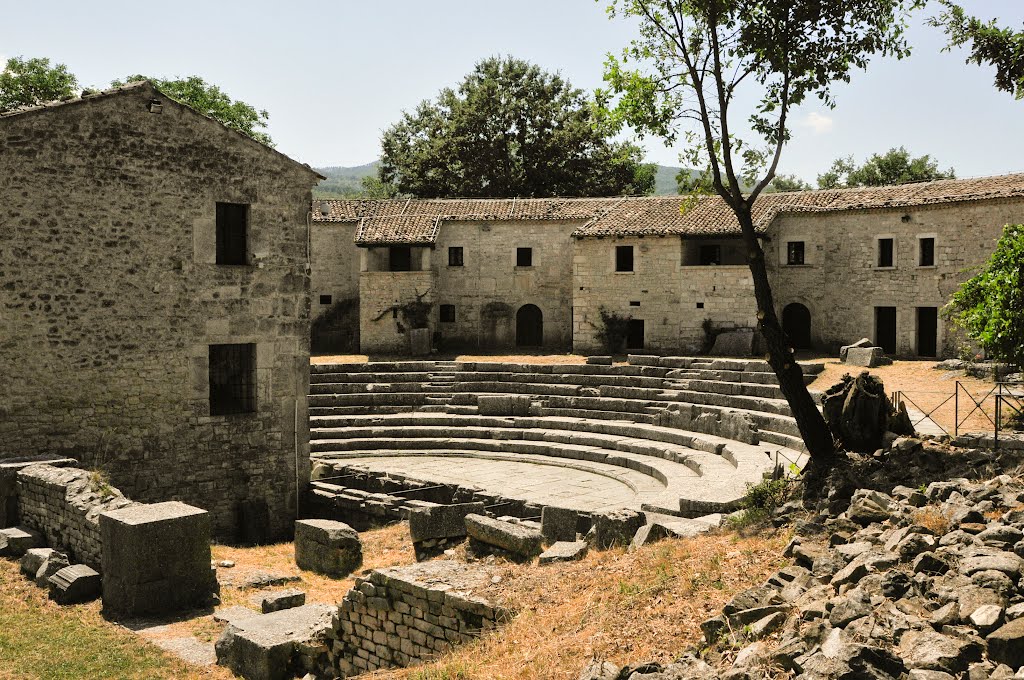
point(156, 559)
point(327, 547)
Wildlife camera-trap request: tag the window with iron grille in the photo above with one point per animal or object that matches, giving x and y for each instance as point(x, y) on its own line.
point(455, 256)
point(232, 379)
point(524, 257)
point(795, 252)
point(232, 233)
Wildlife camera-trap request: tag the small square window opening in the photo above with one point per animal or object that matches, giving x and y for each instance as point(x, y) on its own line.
point(455, 256)
point(325, 299)
point(524, 257)
point(447, 313)
point(795, 253)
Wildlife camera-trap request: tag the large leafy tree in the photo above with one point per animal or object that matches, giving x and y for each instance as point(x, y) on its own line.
point(989, 43)
point(688, 67)
point(28, 82)
point(893, 167)
point(990, 306)
point(509, 129)
point(211, 101)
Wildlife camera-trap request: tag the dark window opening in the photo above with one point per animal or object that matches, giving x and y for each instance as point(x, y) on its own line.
point(795, 252)
point(885, 251)
point(634, 303)
point(623, 258)
point(927, 255)
point(700, 305)
point(447, 313)
point(710, 255)
point(399, 259)
point(455, 256)
point(524, 257)
point(232, 379)
point(232, 233)
point(325, 299)
point(635, 334)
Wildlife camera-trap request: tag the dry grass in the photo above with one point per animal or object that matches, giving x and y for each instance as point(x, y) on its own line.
point(620, 606)
point(933, 519)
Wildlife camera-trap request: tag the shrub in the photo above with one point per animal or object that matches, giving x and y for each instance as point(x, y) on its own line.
point(612, 330)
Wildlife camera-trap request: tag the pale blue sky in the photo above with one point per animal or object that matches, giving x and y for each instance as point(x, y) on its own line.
point(333, 75)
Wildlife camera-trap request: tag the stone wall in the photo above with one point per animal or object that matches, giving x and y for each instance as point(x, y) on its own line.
point(380, 330)
point(405, 615)
point(64, 505)
point(335, 263)
point(109, 284)
point(841, 284)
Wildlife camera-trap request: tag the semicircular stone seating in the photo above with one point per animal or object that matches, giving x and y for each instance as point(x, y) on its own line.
point(671, 435)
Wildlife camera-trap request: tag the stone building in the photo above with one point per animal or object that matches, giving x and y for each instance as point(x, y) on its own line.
point(154, 304)
point(844, 264)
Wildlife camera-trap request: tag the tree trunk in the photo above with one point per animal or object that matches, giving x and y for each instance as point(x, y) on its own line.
point(809, 420)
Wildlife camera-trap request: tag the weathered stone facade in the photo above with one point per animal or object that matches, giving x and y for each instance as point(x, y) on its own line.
point(111, 297)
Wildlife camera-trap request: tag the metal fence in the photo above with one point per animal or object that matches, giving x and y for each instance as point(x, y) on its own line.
point(963, 410)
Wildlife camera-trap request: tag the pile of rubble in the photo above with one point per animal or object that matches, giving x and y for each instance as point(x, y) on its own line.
point(923, 583)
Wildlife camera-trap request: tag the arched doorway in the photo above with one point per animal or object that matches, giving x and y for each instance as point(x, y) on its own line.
point(796, 322)
point(529, 326)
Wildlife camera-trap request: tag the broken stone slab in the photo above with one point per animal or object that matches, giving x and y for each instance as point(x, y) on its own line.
point(441, 521)
point(262, 579)
point(33, 559)
point(263, 647)
point(156, 559)
point(661, 529)
point(614, 528)
point(75, 584)
point(929, 650)
point(598, 669)
point(599, 360)
point(558, 524)
point(233, 614)
point(54, 563)
point(327, 547)
point(504, 405)
point(868, 357)
point(845, 349)
point(1006, 644)
point(521, 541)
point(282, 599)
point(564, 551)
point(16, 541)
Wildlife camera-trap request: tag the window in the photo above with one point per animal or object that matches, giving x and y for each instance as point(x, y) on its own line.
point(399, 259)
point(232, 379)
point(885, 252)
point(710, 255)
point(325, 299)
point(795, 252)
point(455, 256)
point(524, 257)
point(447, 313)
point(232, 233)
point(623, 258)
point(926, 252)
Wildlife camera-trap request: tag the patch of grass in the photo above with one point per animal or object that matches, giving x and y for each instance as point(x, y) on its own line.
point(759, 503)
point(933, 519)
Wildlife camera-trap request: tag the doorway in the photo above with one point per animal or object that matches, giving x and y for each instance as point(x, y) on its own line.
point(885, 329)
point(796, 324)
point(529, 326)
point(927, 331)
point(635, 334)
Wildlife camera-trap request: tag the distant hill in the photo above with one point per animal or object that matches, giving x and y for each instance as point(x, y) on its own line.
point(346, 182)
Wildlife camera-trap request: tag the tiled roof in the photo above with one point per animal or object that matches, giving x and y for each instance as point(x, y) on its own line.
point(711, 216)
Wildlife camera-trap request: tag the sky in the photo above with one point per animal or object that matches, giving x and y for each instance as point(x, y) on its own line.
point(334, 75)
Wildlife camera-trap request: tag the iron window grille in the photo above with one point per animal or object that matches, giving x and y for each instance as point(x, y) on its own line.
point(795, 252)
point(232, 379)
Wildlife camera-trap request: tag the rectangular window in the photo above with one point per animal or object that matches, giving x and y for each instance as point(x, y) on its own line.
point(455, 256)
point(447, 313)
point(232, 379)
point(524, 257)
point(623, 258)
point(885, 252)
point(710, 255)
point(795, 252)
point(325, 299)
point(232, 233)
point(399, 259)
point(926, 257)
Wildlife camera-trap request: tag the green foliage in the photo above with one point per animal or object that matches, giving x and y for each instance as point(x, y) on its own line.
point(893, 167)
point(413, 313)
point(990, 306)
point(783, 183)
point(28, 82)
point(210, 100)
point(336, 330)
point(612, 330)
point(510, 129)
point(360, 181)
point(760, 501)
point(989, 44)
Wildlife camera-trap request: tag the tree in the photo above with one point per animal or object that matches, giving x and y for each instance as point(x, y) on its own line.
point(990, 44)
point(29, 82)
point(894, 167)
point(210, 100)
point(510, 129)
point(690, 62)
point(990, 306)
point(788, 183)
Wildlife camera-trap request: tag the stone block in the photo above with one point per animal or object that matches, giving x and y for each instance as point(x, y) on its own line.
point(1006, 644)
point(844, 350)
point(564, 551)
point(441, 521)
point(327, 547)
point(33, 559)
point(504, 405)
point(599, 360)
point(517, 539)
point(282, 599)
point(558, 524)
point(264, 647)
point(737, 343)
point(869, 357)
point(156, 559)
point(75, 584)
point(419, 342)
point(16, 541)
point(614, 527)
point(54, 563)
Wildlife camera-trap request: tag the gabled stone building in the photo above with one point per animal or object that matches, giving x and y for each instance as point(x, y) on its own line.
point(154, 304)
point(844, 264)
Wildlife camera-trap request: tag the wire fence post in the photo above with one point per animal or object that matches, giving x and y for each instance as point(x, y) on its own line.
point(956, 411)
